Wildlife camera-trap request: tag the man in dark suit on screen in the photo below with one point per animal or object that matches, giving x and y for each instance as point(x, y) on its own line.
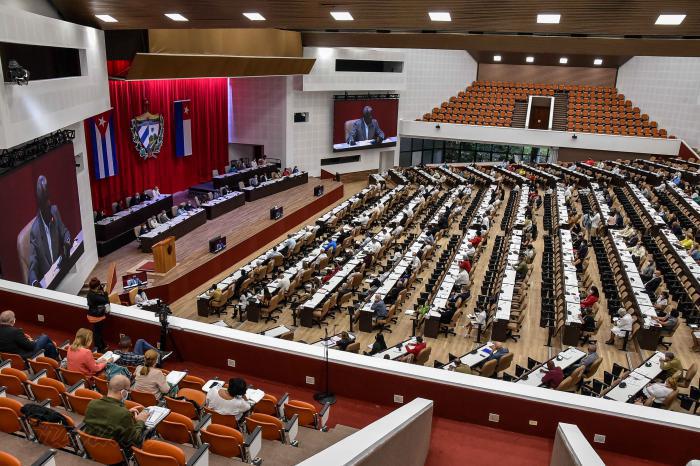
point(49, 238)
point(366, 128)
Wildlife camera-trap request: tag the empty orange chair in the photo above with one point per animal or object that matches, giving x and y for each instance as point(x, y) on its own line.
point(70, 378)
point(102, 450)
point(14, 381)
point(157, 453)
point(185, 406)
point(223, 440)
point(16, 360)
point(100, 384)
point(48, 389)
point(42, 363)
point(268, 405)
point(7, 459)
point(10, 415)
point(308, 415)
point(80, 399)
point(143, 398)
point(54, 435)
point(272, 428)
point(177, 428)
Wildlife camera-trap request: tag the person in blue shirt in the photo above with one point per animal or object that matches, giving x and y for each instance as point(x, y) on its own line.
point(677, 178)
point(330, 245)
point(296, 170)
point(232, 168)
point(379, 307)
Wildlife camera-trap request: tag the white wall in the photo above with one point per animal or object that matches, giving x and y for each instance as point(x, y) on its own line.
point(40, 7)
point(431, 76)
point(28, 112)
point(668, 90)
point(257, 113)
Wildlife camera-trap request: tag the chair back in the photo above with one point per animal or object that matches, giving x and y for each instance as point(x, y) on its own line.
point(102, 450)
point(143, 398)
point(13, 380)
point(307, 412)
point(268, 405)
point(489, 368)
point(504, 362)
point(42, 363)
point(271, 426)
point(185, 407)
point(71, 377)
point(687, 379)
point(52, 434)
point(7, 459)
point(593, 368)
point(16, 360)
point(423, 356)
point(191, 382)
point(353, 347)
point(566, 385)
point(223, 440)
point(10, 415)
point(157, 453)
point(48, 389)
point(670, 399)
point(80, 400)
point(577, 374)
point(176, 428)
point(100, 384)
point(228, 420)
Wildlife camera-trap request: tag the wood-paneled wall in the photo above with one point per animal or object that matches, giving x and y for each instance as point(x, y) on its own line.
point(547, 74)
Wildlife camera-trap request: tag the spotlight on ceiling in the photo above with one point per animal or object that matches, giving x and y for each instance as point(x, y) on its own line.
point(176, 17)
point(530, 59)
point(563, 61)
point(598, 61)
point(440, 16)
point(669, 20)
point(342, 15)
point(106, 18)
point(497, 58)
point(254, 16)
point(547, 18)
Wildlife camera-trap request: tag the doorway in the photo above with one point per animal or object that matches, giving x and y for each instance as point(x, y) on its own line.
point(539, 112)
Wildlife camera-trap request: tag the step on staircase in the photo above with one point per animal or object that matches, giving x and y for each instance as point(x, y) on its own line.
point(561, 107)
point(520, 114)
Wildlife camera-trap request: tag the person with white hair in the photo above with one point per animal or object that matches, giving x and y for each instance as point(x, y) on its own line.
point(623, 325)
point(14, 340)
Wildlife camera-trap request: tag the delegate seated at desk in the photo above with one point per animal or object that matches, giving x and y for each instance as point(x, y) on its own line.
point(49, 238)
point(379, 307)
point(365, 128)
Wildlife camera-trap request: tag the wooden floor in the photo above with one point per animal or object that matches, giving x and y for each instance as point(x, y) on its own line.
point(193, 249)
point(533, 338)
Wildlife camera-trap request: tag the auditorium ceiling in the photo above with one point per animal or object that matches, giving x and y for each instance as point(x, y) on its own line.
point(586, 27)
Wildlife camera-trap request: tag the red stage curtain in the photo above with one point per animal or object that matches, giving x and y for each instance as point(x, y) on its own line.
point(209, 137)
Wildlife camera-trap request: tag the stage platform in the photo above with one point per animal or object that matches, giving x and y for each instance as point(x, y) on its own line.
point(247, 229)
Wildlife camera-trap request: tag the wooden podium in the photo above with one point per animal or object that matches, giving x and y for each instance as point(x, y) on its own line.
point(164, 254)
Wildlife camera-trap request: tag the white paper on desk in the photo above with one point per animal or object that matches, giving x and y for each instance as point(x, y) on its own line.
point(254, 395)
point(174, 377)
point(155, 415)
point(109, 355)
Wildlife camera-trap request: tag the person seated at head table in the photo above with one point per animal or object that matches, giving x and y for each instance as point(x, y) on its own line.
point(379, 307)
point(253, 163)
point(230, 401)
point(163, 217)
point(80, 357)
point(152, 223)
point(687, 242)
point(156, 192)
point(214, 293)
point(497, 351)
point(223, 191)
point(232, 167)
point(668, 321)
point(181, 209)
point(263, 177)
point(189, 207)
point(135, 200)
point(553, 376)
point(662, 300)
point(286, 172)
point(100, 215)
point(658, 391)
point(461, 368)
point(144, 229)
point(14, 340)
point(295, 170)
point(254, 181)
point(107, 417)
point(140, 295)
point(344, 341)
point(132, 357)
point(623, 325)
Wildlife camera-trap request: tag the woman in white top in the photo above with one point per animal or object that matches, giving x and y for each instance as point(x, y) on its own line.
point(479, 318)
point(659, 391)
point(229, 401)
point(622, 326)
point(140, 296)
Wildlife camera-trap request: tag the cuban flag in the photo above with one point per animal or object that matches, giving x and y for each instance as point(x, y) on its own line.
point(183, 128)
point(104, 149)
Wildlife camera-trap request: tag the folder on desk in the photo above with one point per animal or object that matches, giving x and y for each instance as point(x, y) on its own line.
point(175, 377)
point(155, 415)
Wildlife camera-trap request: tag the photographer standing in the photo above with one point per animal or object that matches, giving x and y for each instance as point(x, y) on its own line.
point(98, 308)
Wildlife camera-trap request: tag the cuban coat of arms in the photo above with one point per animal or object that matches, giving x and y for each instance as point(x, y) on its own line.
point(147, 133)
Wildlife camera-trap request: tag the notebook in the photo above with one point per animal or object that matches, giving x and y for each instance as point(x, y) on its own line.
point(109, 355)
point(175, 377)
point(155, 415)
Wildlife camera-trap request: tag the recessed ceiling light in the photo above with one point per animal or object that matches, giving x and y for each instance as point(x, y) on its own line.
point(176, 17)
point(440, 16)
point(563, 60)
point(496, 58)
point(669, 20)
point(548, 18)
point(342, 15)
point(530, 59)
point(106, 18)
point(254, 16)
point(598, 61)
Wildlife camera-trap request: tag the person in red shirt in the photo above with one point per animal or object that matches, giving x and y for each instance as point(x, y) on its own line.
point(413, 349)
point(466, 265)
point(553, 377)
point(476, 240)
point(591, 298)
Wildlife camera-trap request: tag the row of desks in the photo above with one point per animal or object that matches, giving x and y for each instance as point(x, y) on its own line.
point(570, 172)
point(687, 202)
point(650, 177)
point(426, 176)
point(691, 268)
point(551, 179)
point(177, 227)
point(637, 379)
point(648, 210)
point(479, 174)
point(564, 360)
point(572, 299)
point(223, 204)
point(232, 179)
point(274, 186)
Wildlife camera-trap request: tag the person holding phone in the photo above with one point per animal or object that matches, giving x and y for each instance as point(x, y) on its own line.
point(98, 308)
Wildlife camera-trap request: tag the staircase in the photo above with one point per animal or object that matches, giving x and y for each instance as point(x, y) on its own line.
point(519, 115)
point(311, 441)
point(561, 106)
